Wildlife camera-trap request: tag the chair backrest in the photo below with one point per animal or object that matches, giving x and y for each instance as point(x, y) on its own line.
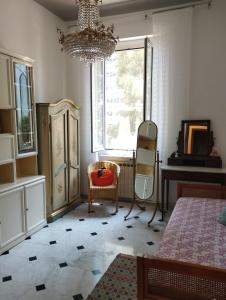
point(167, 279)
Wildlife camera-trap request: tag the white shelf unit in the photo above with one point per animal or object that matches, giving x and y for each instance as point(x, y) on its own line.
point(22, 191)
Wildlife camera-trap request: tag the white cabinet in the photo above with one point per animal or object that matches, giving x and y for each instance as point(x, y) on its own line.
point(12, 225)
point(35, 204)
point(5, 83)
point(22, 191)
point(22, 211)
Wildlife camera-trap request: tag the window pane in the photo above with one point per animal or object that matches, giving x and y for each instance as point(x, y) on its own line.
point(24, 110)
point(97, 107)
point(124, 84)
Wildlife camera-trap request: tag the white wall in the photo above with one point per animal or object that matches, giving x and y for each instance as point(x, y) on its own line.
point(208, 70)
point(78, 87)
point(26, 28)
point(208, 73)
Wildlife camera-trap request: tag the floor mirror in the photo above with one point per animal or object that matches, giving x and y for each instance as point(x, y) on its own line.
point(146, 167)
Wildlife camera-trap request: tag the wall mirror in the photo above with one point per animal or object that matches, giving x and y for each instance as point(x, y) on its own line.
point(195, 146)
point(145, 160)
point(196, 137)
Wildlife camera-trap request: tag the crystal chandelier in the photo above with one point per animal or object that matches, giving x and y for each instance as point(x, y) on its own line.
point(94, 41)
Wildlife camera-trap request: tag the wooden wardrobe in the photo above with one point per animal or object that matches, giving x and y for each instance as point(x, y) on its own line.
point(59, 157)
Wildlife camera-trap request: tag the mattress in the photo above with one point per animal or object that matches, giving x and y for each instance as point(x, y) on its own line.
point(193, 233)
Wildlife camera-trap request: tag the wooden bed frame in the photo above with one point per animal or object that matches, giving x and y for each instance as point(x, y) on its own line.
point(162, 279)
point(201, 190)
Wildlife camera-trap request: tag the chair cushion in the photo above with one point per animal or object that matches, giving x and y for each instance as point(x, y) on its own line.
point(102, 177)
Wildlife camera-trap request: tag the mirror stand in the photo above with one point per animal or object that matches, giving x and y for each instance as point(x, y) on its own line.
point(157, 205)
point(134, 194)
point(145, 165)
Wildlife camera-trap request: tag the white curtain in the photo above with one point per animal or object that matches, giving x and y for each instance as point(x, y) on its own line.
point(171, 75)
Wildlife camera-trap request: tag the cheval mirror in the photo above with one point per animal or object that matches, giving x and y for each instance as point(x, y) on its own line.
point(145, 165)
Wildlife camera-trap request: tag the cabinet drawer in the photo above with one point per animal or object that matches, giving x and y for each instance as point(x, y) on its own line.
point(7, 148)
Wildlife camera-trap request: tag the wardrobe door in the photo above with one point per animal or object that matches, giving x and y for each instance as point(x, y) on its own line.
point(59, 159)
point(73, 152)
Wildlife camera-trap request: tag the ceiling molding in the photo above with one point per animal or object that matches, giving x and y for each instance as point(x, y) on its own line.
point(66, 10)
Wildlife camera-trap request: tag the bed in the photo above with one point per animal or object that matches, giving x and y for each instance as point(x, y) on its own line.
point(191, 261)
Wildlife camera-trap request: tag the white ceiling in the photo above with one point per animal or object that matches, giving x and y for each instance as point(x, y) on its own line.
point(66, 9)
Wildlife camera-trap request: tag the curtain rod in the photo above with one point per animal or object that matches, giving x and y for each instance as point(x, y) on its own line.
point(159, 11)
point(192, 4)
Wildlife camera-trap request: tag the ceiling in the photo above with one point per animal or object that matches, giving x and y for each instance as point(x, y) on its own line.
point(66, 10)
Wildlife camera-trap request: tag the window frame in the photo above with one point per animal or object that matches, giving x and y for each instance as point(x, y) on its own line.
point(145, 47)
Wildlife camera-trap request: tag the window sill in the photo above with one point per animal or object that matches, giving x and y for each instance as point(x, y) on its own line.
point(116, 155)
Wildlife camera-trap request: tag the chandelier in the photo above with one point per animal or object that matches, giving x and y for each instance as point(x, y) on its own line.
point(94, 41)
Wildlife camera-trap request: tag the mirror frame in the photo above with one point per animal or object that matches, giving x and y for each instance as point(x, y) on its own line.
point(154, 165)
point(182, 137)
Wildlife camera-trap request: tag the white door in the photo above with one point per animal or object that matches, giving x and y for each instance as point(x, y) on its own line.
point(35, 204)
point(12, 221)
point(5, 83)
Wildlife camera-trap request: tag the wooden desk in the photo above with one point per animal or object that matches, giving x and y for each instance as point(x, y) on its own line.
point(184, 173)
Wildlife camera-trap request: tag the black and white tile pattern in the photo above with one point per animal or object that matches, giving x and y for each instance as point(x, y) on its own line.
point(65, 260)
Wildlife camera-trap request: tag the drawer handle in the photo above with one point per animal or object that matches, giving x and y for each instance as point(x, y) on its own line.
point(27, 209)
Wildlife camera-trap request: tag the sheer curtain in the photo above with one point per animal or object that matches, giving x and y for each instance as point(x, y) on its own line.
point(171, 75)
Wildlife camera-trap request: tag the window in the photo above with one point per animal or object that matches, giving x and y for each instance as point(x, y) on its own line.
point(119, 98)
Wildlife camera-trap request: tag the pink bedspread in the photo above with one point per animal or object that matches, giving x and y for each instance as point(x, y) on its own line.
point(193, 233)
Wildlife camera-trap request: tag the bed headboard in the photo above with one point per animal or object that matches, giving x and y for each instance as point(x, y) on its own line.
point(201, 190)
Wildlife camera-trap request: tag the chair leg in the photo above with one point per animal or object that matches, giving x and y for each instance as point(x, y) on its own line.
point(89, 203)
point(116, 202)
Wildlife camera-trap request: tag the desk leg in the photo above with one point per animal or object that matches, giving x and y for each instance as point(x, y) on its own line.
point(162, 198)
point(167, 194)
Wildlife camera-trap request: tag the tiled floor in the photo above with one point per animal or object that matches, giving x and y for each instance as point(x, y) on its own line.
point(65, 260)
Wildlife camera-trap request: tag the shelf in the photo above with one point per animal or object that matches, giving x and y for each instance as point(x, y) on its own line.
point(23, 85)
point(24, 133)
point(7, 173)
point(26, 166)
point(146, 143)
point(24, 109)
point(18, 155)
point(6, 121)
point(4, 187)
point(146, 157)
point(7, 153)
point(144, 170)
